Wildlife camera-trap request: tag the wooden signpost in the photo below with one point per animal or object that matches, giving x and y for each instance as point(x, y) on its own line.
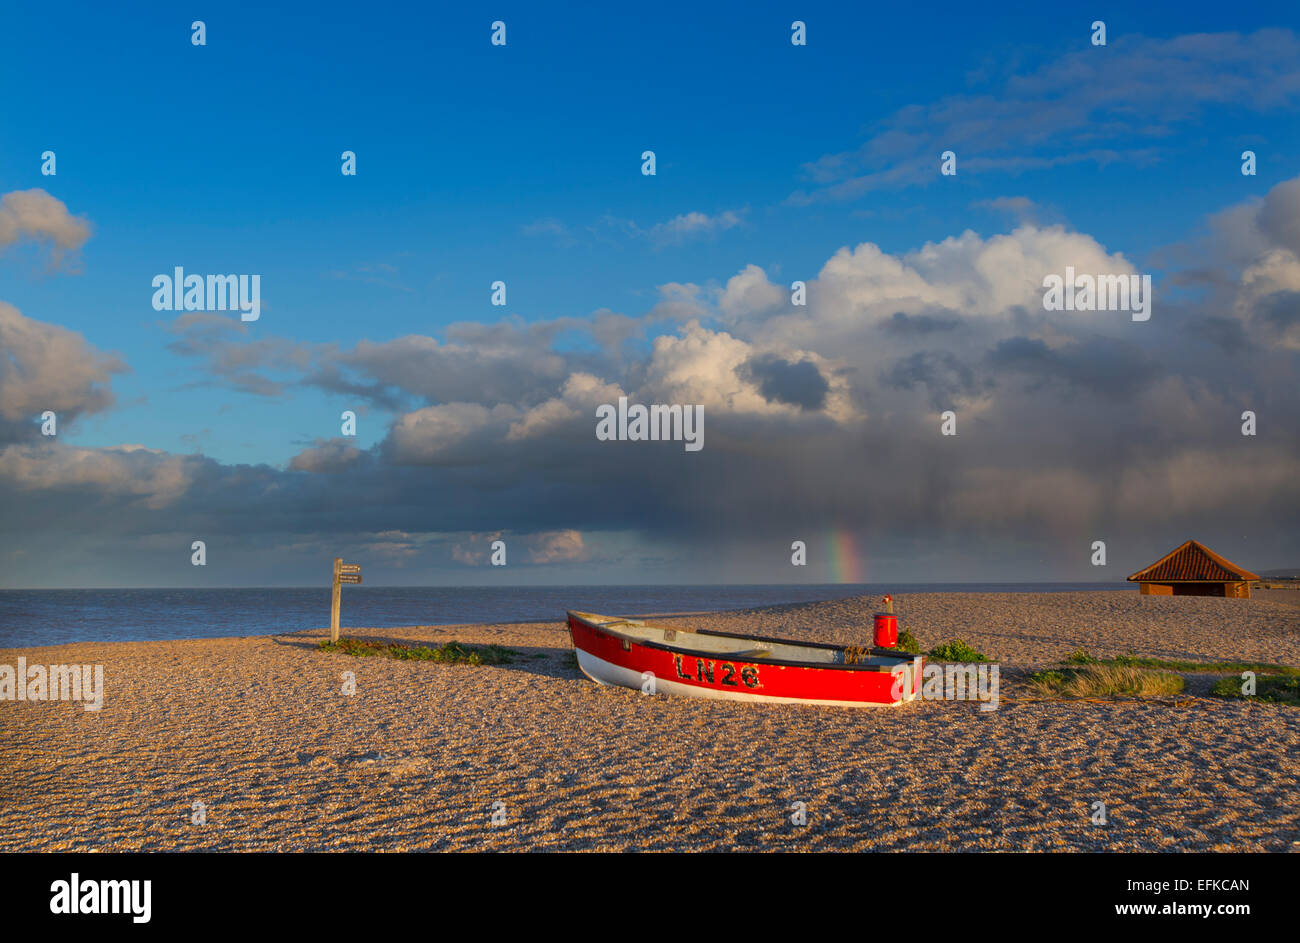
point(343, 573)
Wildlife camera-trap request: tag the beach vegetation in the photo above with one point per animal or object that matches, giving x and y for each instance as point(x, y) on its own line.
point(454, 653)
point(1082, 657)
point(1098, 680)
point(1275, 689)
point(956, 650)
point(907, 643)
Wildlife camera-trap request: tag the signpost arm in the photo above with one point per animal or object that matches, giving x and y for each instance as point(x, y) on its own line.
point(334, 602)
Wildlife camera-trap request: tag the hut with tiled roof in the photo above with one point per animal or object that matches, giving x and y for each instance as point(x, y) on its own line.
point(1194, 570)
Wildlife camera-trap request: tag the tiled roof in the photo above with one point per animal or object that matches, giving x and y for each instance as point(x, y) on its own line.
point(1192, 561)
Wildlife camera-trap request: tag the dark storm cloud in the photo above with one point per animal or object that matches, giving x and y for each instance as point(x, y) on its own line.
point(1280, 311)
point(503, 365)
point(816, 417)
point(333, 378)
point(1100, 367)
point(945, 377)
point(781, 381)
point(912, 325)
point(1225, 334)
point(506, 362)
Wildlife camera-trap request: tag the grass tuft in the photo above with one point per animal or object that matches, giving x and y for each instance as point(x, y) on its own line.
point(1273, 688)
point(451, 653)
point(1081, 657)
point(1104, 680)
point(956, 650)
point(907, 643)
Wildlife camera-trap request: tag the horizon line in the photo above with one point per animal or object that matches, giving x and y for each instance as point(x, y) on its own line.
point(326, 586)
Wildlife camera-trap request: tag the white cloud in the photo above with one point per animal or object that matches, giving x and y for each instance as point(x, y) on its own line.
point(325, 456)
point(1089, 105)
point(561, 546)
point(975, 281)
point(689, 225)
point(437, 433)
point(35, 214)
point(701, 366)
point(44, 366)
point(582, 393)
point(130, 471)
point(749, 293)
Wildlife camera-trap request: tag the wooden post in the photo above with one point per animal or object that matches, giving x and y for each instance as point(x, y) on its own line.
point(334, 602)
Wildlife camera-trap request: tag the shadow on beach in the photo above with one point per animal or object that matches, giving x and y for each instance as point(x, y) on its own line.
point(545, 661)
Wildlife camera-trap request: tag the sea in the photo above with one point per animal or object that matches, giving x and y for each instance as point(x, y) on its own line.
point(32, 617)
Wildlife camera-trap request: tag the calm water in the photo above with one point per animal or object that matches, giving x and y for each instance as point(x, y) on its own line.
point(54, 616)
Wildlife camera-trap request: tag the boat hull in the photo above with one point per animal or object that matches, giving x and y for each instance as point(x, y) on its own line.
point(609, 656)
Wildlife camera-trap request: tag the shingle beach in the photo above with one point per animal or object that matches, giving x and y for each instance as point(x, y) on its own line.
point(254, 737)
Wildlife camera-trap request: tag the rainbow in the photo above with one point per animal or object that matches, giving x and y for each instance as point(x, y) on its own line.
point(845, 560)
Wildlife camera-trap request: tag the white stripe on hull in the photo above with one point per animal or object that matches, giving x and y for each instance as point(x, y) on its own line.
point(605, 672)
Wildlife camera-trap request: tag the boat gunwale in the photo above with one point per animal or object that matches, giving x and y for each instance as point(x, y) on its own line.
point(900, 659)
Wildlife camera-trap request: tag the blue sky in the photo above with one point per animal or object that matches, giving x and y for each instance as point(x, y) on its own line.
point(522, 163)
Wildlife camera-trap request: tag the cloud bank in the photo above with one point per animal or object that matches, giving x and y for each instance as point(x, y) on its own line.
point(1072, 426)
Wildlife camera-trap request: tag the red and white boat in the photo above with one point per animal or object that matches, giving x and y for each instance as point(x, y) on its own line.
point(727, 666)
